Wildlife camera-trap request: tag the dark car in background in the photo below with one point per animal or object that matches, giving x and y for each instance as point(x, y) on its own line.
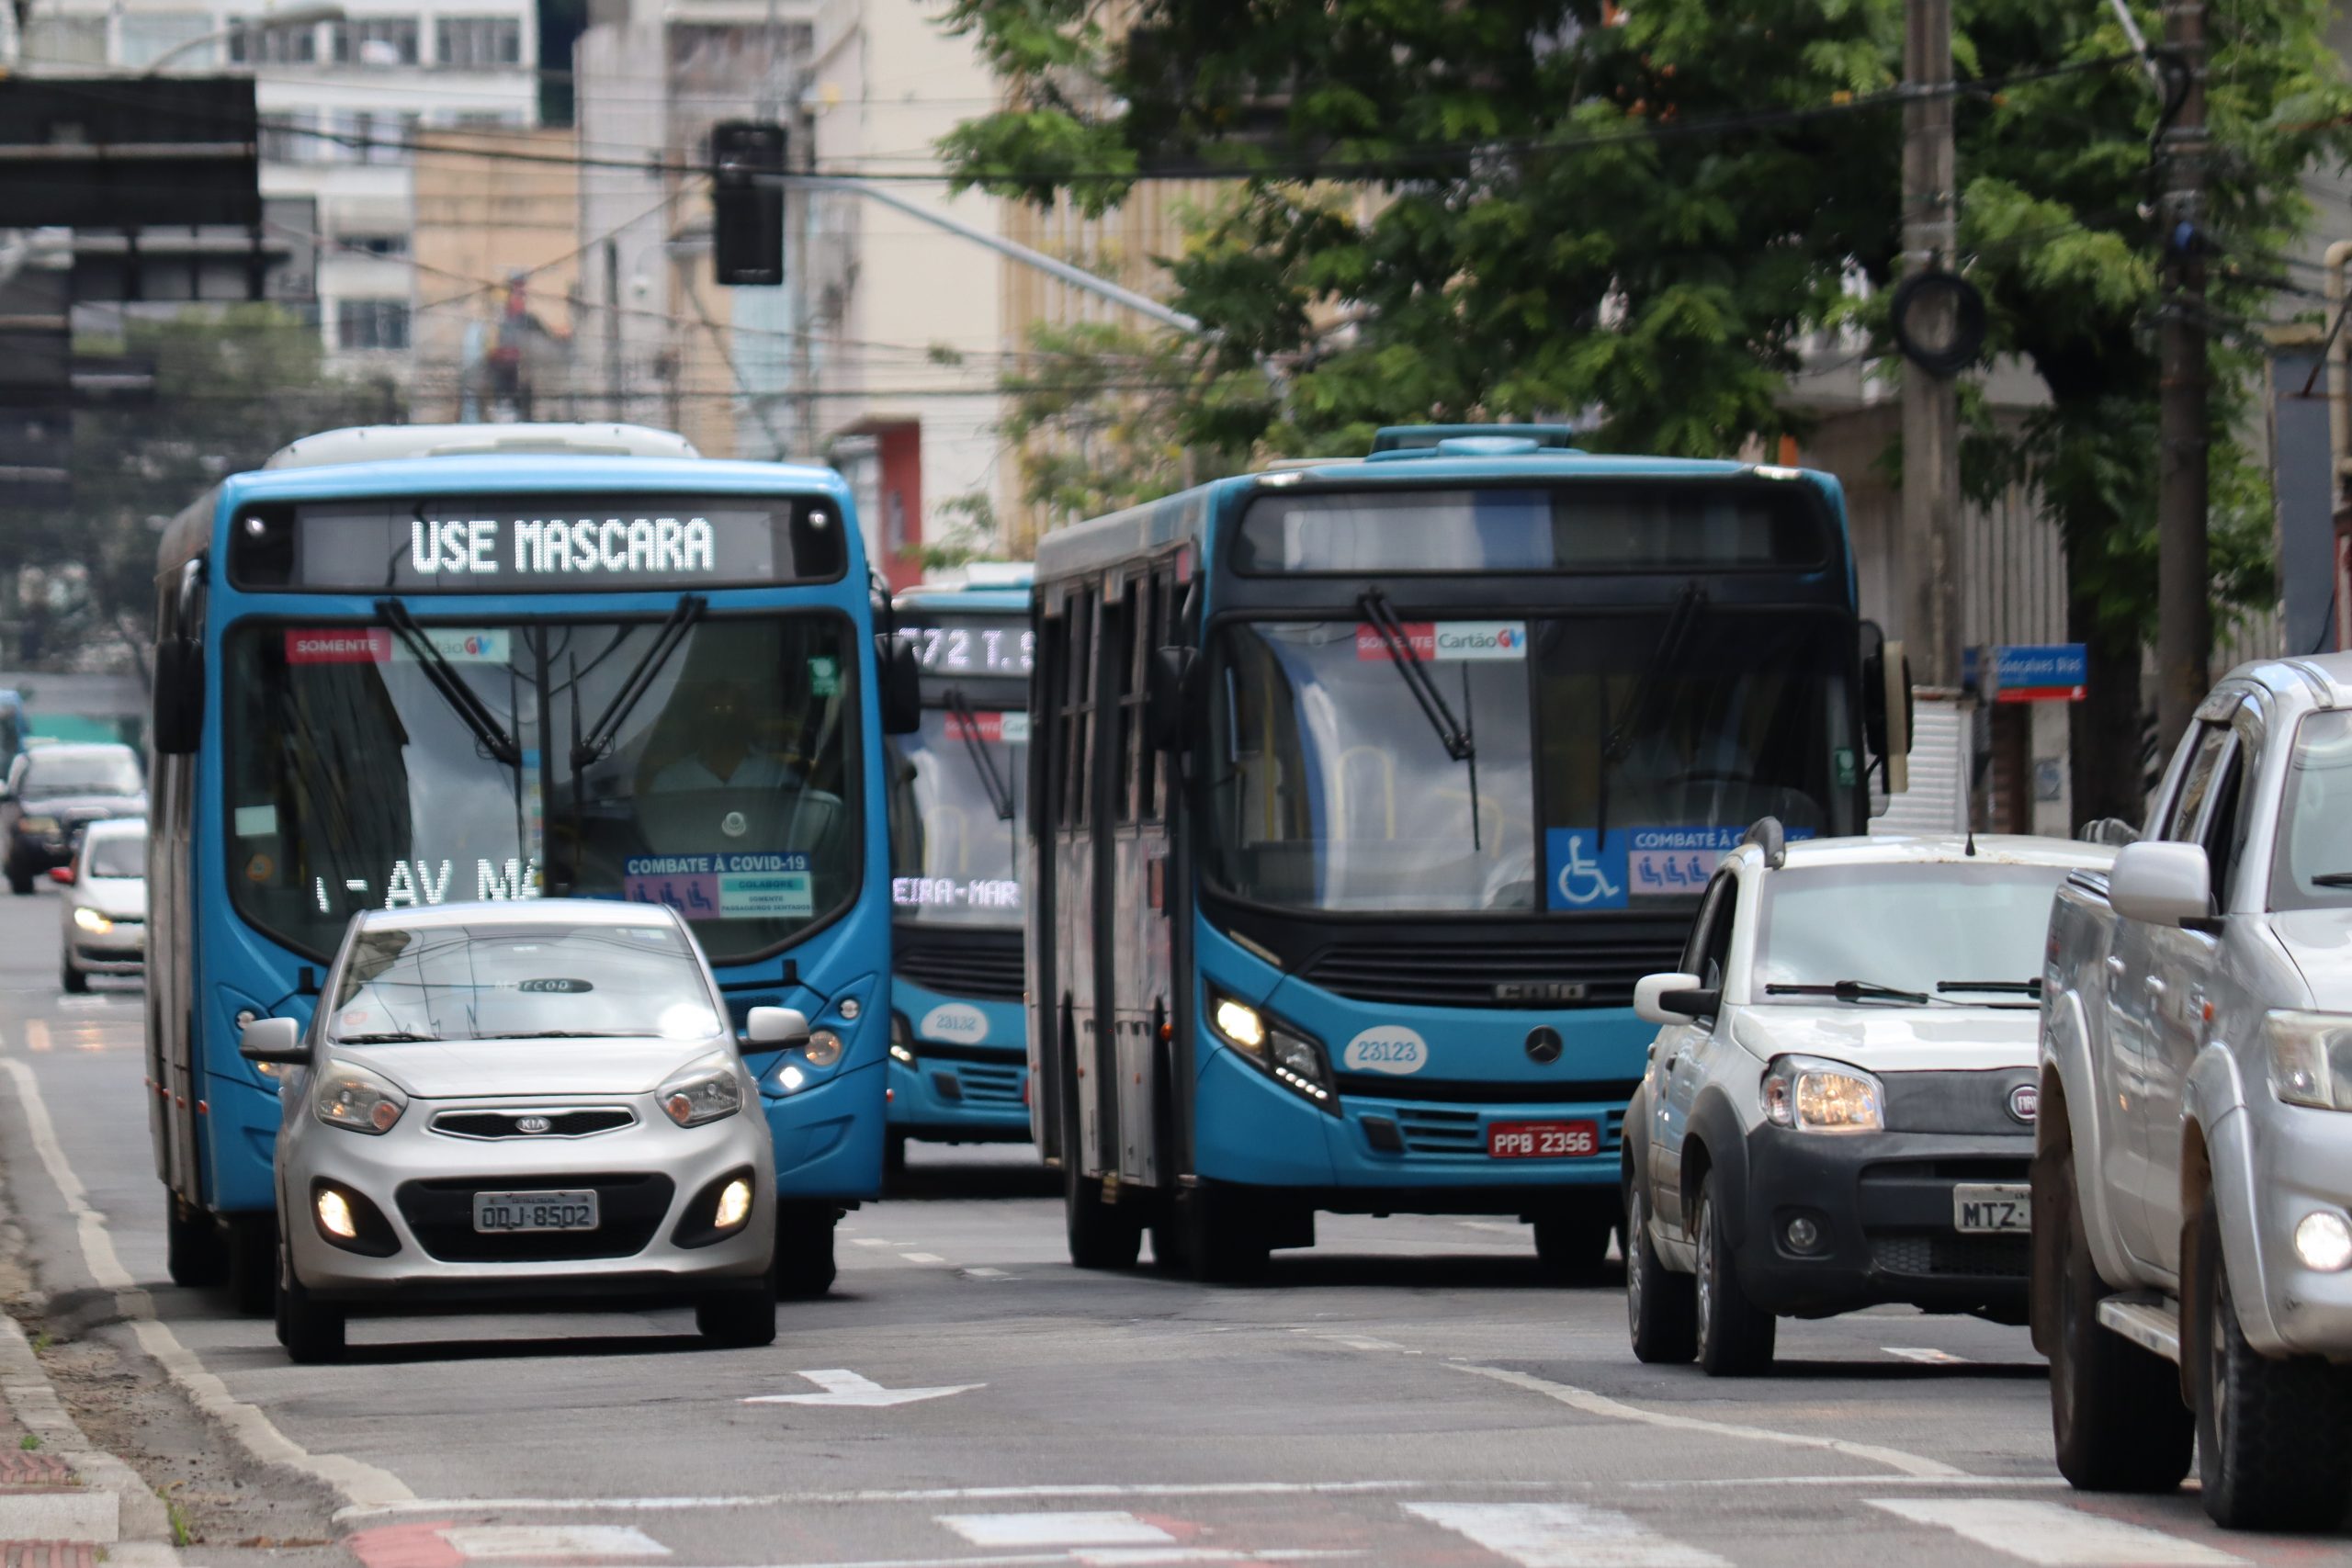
point(53, 793)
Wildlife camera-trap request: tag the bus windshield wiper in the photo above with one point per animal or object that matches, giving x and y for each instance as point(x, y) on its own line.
point(588, 748)
point(487, 732)
point(1451, 733)
point(999, 792)
point(1850, 991)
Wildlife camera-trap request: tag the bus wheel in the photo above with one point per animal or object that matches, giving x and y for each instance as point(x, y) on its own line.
point(894, 1155)
point(804, 1250)
point(1102, 1235)
point(1573, 1245)
point(1223, 1243)
point(253, 1263)
point(192, 1248)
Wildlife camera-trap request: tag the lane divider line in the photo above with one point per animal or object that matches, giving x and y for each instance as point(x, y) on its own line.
point(359, 1483)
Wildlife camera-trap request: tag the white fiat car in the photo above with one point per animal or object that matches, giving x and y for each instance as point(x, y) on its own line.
point(1838, 1108)
point(533, 1099)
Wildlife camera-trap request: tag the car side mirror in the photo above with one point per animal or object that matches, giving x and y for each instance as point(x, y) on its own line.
point(774, 1029)
point(901, 683)
point(2112, 831)
point(179, 696)
point(1168, 687)
point(62, 873)
point(273, 1040)
point(2162, 882)
point(1673, 999)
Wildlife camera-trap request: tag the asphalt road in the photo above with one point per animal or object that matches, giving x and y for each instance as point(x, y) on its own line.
point(1410, 1393)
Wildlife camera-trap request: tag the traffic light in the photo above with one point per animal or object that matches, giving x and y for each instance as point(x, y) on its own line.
point(747, 211)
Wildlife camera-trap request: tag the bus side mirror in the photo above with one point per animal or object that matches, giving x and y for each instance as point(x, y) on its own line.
point(179, 696)
point(1886, 706)
point(1167, 696)
point(901, 684)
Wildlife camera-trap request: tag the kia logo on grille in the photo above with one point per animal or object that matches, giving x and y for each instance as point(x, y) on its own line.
point(2024, 1101)
point(546, 1125)
point(1539, 990)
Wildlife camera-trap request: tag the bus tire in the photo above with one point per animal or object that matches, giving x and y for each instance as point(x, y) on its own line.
point(1102, 1235)
point(1573, 1245)
point(192, 1251)
point(2115, 1409)
point(804, 1250)
point(312, 1331)
point(253, 1263)
point(1223, 1243)
point(894, 1156)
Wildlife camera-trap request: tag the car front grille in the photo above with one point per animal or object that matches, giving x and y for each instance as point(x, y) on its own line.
point(440, 1213)
point(978, 964)
point(509, 1123)
point(1975, 1256)
point(1494, 975)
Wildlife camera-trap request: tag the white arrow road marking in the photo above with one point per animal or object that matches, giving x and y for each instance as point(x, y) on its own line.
point(1564, 1535)
point(2053, 1534)
point(844, 1387)
point(1921, 1353)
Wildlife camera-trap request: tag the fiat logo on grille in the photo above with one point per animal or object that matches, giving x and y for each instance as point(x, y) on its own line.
point(2024, 1101)
point(547, 1124)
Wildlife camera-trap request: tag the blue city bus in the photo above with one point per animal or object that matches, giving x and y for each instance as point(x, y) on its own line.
point(1363, 792)
point(416, 665)
point(959, 1071)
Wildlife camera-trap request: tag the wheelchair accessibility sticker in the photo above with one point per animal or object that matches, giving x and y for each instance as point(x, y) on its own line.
point(1636, 862)
point(1586, 871)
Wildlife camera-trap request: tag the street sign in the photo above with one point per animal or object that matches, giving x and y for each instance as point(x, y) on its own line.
point(2040, 672)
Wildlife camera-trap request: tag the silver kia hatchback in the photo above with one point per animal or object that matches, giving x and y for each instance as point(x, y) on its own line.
point(535, 1100)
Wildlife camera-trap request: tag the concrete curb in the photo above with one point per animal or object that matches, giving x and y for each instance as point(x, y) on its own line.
point(115, 1506)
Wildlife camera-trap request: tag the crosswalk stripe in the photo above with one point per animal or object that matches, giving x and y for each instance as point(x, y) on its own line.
point(1564, 1535)
point(2054, 1535)
point(1102, 1528)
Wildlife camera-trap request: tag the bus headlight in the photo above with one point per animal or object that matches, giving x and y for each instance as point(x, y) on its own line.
point(1811, 1095)
point(1291, 1057)
point(902, 1040)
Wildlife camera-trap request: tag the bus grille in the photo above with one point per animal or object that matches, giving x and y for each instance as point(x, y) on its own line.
point(986, 1083)
point(979, 965)
point(1483, 977)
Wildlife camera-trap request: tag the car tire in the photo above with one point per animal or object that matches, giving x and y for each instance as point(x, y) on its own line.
point(1661, 1307)
point(804, 1250)
point(253, 1263)
point(1573, 1246)
point(312, 1331)
point(76, 983)
point(193, 1253)
point(2115, 1409)
point(20, 883)
point(741, 1319)
point(1735, 1335)
point(2274, 1435)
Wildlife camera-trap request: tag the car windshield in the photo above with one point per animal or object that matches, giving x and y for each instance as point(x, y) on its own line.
point(2315, 853)
point(114, 770)
point(495, 981)
point(118, 855)
point(1908, 927)
point(958, 810)
point(1367, 767)
point(368, 769)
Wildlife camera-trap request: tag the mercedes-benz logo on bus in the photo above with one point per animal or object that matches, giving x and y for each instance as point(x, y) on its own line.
point(535, 1124)
point(2025, 1100)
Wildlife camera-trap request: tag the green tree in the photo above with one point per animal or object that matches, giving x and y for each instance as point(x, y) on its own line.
point(1520, 208)
point(230, 387)
point(1096, 418)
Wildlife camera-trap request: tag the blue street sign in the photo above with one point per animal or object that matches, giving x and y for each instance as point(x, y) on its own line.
point(2041, 671)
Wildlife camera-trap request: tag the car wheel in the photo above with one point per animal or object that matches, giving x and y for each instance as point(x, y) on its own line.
point(2274, 1436)
point(20, 883)
point(2115, 1409)
point(312, 1331)
point(1661, 1307)
point(1574, 1247)
point(253, 1262)
point(804, 1250)
point(193, 1250)
point(1735, 1333)
point(741, 1319)
point(75, 982)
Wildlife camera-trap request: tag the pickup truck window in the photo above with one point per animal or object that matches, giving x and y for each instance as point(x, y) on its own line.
point(2313, 868)
point(1910, 928)
point(2204, 768)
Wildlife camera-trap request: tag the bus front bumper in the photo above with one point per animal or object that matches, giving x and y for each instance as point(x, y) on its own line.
point(961, 1099)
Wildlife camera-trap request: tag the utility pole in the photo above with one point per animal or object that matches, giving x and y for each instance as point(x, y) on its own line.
point(1930, 401)
point(2184, 579)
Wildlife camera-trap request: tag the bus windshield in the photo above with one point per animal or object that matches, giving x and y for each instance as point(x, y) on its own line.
point(706, 764)
point(1543, 764)
point(959, 809)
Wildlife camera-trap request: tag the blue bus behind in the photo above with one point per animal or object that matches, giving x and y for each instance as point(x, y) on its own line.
point(1362, 793)
point(393, 668)
point(959, 796)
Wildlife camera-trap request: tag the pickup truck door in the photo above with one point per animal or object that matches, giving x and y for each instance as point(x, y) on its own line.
point(1678, 1071)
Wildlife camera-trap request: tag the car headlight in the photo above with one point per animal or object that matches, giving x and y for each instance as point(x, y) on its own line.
point(702, 1091)
point(90, 920)
point(1290, 1058)
point(1811, 1095)
point(2311, 1059)
point(357, 1101)
point(44, 826)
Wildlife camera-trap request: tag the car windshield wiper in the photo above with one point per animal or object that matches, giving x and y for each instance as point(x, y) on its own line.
point(487, 732)
point(386, 1037)
point(1451, 733)
point(567, 1034)
point(2008, 987)
point(1850, 991)
point(999, 793)
point(2331, 879)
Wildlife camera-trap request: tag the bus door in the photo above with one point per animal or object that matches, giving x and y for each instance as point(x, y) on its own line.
point(1079, 953)
point(175, 1080)
point(1138, 975)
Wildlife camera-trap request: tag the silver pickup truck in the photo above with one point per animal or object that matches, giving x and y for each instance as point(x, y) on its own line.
point(2192, 1182)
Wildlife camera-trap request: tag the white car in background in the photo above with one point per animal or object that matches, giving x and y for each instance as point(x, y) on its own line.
point(105, 915)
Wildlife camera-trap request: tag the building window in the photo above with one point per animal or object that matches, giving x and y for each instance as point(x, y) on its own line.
point(66, 40)
point(373, 244)
point(375, 40)
point(371, 323)
point(477, 44)
point(147, 36)
point(292, 137)
point(254, 42)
